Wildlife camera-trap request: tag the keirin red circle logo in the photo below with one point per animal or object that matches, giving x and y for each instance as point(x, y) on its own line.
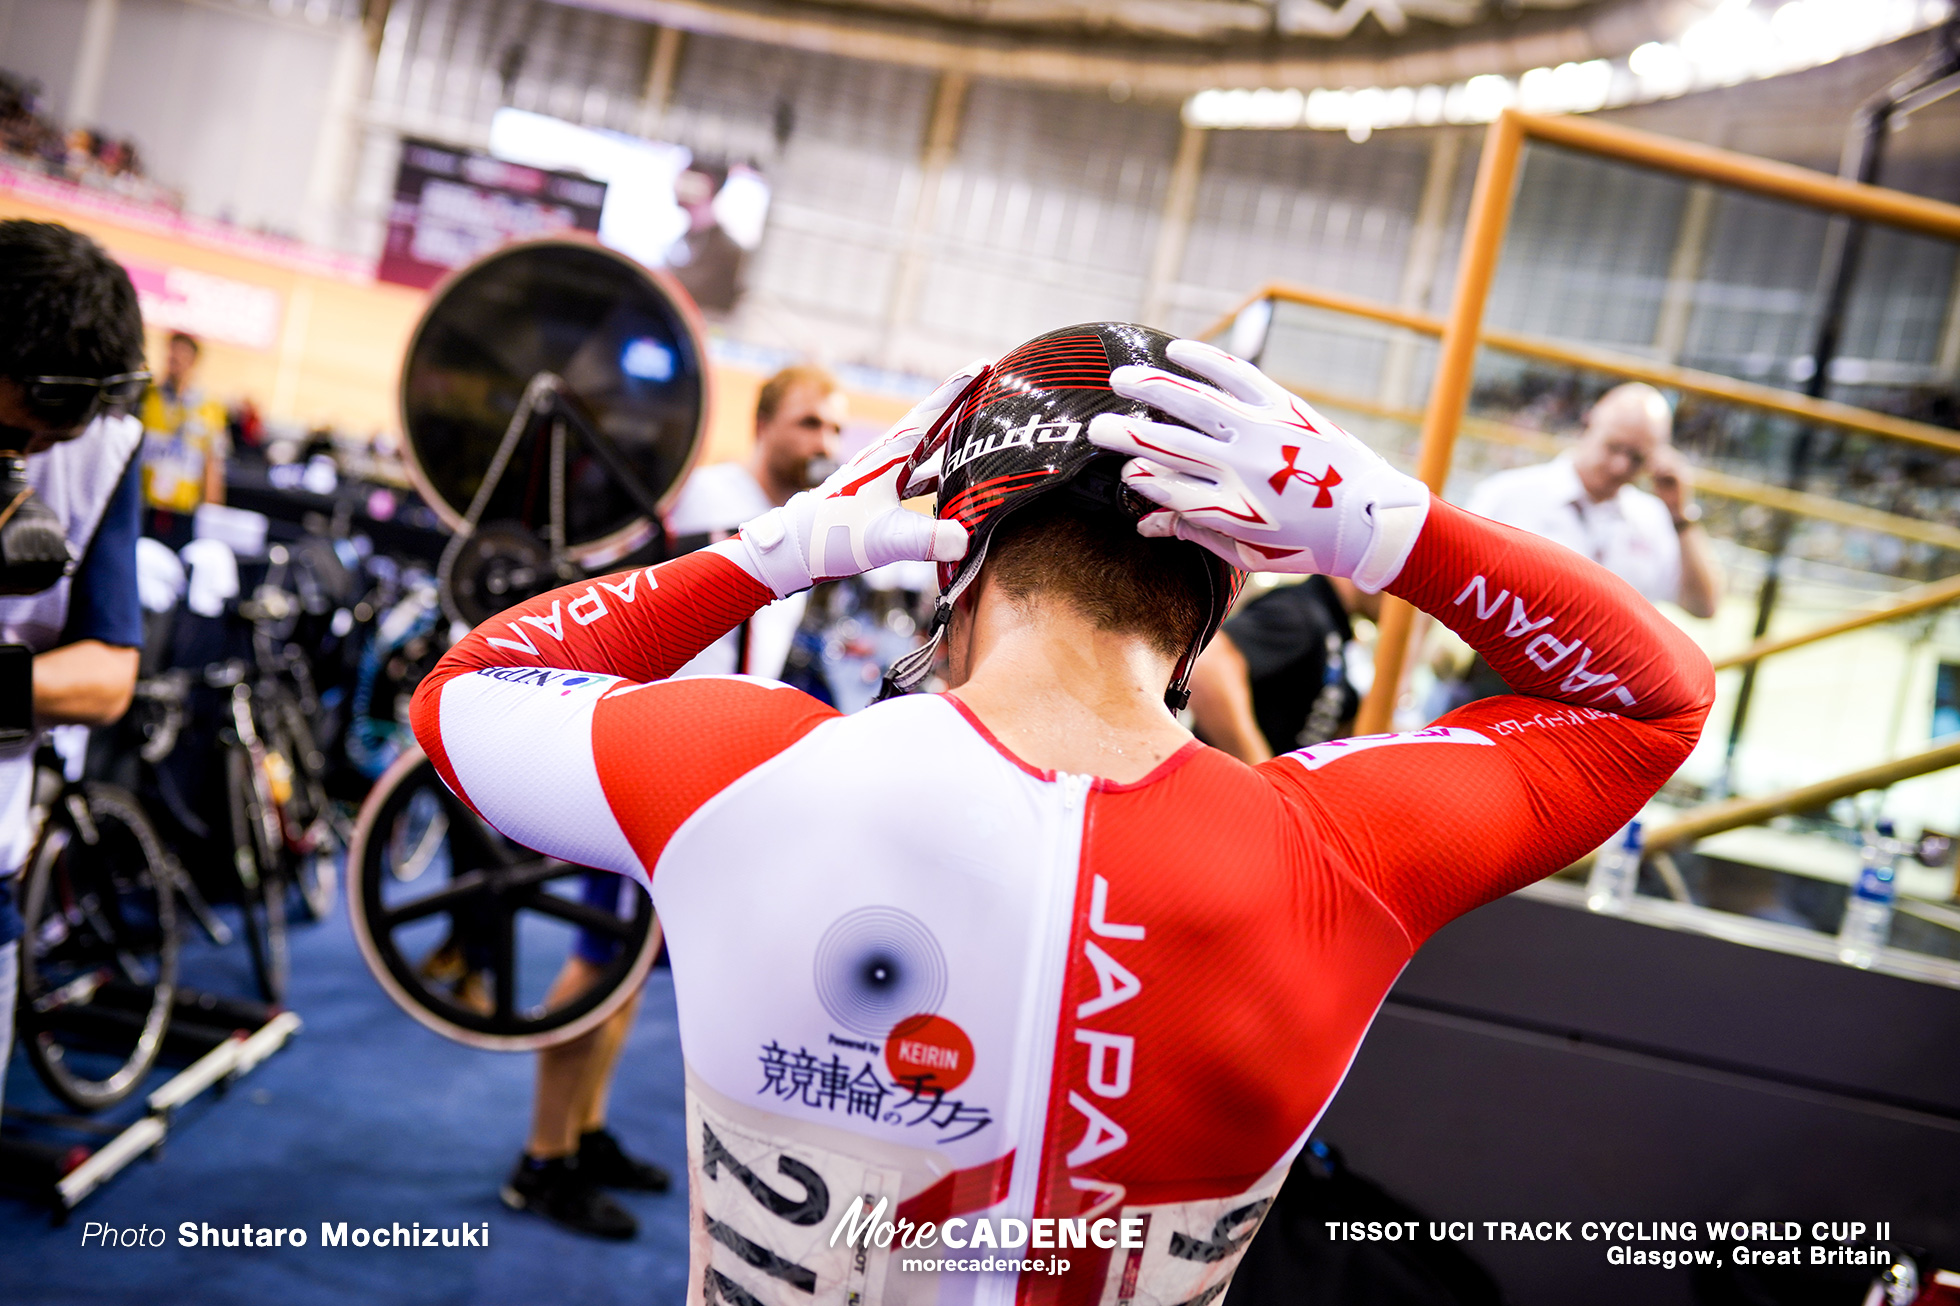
point(931, 1050)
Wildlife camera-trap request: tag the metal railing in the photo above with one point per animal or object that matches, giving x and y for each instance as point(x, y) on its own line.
point(1483, 238)
point(1787, 403)
point(1707, 480)
point(1733, 813)
point(1906, 603)
point(1462, 334)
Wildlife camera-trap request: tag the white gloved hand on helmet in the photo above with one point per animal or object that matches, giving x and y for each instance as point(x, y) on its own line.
point(1257, 476)
point(853, 522)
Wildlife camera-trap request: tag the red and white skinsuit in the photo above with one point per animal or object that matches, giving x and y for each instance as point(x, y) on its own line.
point(1145, 993)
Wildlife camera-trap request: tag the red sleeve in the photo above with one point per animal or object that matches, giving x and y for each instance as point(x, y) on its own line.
point(1611, 699)
point(638, 625)
point(553, 720)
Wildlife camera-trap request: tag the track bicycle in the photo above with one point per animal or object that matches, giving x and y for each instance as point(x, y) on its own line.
point(98, 958)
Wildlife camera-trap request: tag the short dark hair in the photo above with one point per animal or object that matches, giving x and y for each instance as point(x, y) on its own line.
point(1120, 580)
point(185, 337)
point(66, 307)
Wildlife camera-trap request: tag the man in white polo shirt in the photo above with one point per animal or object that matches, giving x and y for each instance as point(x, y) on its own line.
point(799, 417)
point(1585, 499)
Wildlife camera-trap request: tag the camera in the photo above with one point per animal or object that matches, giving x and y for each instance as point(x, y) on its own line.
point(34, 555)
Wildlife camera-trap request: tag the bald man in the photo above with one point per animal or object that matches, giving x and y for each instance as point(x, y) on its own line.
point(1585, 499)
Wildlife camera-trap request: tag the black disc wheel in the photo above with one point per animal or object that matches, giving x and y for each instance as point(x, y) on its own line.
point(629, 349)
point(98, 961)
point(262, 882)
point(467, 931)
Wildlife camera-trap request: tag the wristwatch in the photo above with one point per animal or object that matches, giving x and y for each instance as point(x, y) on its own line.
point(1689, 516)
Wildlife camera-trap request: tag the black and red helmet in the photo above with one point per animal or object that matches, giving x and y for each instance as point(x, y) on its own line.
point(1021, 431)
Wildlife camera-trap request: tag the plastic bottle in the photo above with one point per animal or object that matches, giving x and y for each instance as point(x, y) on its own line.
point(1868, 912)
point(1615, 872)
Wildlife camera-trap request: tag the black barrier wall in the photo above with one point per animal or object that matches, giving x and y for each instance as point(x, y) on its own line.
point(1537, 1063)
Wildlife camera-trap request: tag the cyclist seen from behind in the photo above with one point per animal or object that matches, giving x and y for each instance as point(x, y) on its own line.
point(1025, 950)
point(71, 359)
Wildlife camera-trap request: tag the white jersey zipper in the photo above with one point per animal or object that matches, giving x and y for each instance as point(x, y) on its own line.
point(1041, 1016)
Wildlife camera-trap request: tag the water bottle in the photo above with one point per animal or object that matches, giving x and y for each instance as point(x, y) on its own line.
point(1868, 912)
point(1615, 872)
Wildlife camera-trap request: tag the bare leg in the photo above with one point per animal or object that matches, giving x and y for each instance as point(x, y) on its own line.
point(596, 1086)
point(575, 1078)
point(563, 1072)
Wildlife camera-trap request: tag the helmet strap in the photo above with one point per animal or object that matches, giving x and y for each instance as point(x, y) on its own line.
point(1178, 696)
point(908, 671)
point(935, 437)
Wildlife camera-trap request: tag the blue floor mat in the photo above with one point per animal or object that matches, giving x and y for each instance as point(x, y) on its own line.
point(365, 1117)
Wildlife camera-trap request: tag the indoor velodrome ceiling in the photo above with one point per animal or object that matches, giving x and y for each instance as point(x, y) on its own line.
point(1176, 47)
point(1209, 21)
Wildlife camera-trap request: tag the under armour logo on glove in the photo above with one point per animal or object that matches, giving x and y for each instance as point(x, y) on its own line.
point(1213, 479)
point(1324, 482)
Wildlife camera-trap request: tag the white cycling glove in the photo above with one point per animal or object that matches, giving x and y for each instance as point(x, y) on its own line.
point(853, 522)
point(1263, 480)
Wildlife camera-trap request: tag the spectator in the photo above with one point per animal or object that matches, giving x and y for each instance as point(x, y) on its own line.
point(185, 445)
point(799, 417)
point(571, 1157)
point(81, 155)
point(1275, 677)
point(1585, 499)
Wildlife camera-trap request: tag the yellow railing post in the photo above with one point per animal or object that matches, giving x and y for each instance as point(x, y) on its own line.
point(1483, 240)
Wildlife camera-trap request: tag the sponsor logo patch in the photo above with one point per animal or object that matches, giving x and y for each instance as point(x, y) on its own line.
point(1334, 750)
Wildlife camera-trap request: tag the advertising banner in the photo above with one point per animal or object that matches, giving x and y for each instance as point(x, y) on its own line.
point(452, 206)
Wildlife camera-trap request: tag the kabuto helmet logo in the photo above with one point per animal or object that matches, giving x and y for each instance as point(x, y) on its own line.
point(1020, 431)
point(1035, 432)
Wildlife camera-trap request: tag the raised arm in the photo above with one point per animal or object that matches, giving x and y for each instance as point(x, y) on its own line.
point(555, 720)
point(636, 625)
point(1505, 791)
point(1499, 793)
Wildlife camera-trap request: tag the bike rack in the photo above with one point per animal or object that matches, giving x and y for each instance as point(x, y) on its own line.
point(233, 1058)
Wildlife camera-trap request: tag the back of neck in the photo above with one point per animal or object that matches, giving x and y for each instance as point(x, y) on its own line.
point(1064, 696)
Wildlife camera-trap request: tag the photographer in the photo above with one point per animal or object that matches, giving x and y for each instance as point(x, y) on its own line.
point(71, 357)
